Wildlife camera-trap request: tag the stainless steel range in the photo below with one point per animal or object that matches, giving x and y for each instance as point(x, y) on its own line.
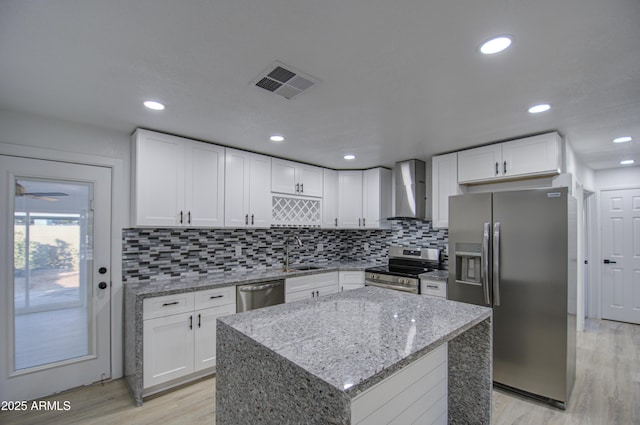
point(404, 266)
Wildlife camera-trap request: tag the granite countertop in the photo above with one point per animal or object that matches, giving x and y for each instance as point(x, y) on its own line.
point(173, 285)
point(435, 275)
point(354, 339)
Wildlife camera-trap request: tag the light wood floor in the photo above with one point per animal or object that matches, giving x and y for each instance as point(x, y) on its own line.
point(50, 336)
point(607, 391)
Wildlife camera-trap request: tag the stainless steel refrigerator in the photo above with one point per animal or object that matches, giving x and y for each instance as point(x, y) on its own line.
point(515, 251)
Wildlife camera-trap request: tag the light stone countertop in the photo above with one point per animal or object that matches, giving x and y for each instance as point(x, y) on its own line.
point(435, 275)
point(354, 339)
point(167, 286)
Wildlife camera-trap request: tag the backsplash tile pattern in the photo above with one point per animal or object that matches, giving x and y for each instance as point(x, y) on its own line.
point(167, 252)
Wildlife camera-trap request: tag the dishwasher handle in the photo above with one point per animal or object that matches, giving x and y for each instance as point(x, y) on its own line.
point(253, 288)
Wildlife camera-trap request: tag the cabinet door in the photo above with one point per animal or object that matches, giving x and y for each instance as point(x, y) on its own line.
point(167, 348)
point(299, 283)
point(205, 335)
point(260, 191)
point(326, 283)
point(330, 199)
point(444, 184)
point(204, 185)
point(479, 164)
point(284, 176)
point(531, 156)
point(351, 276)
point(310, 179)
point(298, 295)
point(376, 197)
point(350, 286)
point(350, 199)
point(158, 187)
point(236, 183)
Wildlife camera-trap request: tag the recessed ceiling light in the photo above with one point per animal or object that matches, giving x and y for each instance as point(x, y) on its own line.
point(622, 139)
point(495, 45)
point(349, 157)
point(539, 108)
point(276, 138)
point(152, 104)
point(627, 162)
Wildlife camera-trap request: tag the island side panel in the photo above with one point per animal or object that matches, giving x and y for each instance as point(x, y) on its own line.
point(254, 385)
point(133, 344)
point(471, 375)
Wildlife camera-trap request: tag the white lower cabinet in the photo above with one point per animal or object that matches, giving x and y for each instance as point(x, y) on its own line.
point(168, 348)
point(436, 288)
point(310, 286)
point(181, 339)
point(351, 279)
point(416, 394)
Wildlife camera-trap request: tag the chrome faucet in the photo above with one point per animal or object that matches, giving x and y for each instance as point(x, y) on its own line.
point(286, 258)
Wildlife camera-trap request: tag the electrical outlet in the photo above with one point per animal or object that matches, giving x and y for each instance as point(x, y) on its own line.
point(320, 247)
point(366, 246)
point(238, 250)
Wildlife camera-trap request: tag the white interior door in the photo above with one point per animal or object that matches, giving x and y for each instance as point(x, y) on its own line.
point(621, 255)
point(55, 276)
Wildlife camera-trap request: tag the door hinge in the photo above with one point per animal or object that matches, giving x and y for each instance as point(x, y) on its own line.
point(91, 205)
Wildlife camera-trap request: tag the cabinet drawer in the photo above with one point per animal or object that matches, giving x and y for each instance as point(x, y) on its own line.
point(215, 297)
point(167, 305)
point(352, 277)
point(436, 288)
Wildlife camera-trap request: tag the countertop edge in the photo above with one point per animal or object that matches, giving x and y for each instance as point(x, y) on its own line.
point(175, 285)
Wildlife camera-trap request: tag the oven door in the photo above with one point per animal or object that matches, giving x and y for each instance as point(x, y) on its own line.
point(391, 282)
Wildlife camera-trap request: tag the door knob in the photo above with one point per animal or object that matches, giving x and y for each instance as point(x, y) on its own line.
point(102, 285)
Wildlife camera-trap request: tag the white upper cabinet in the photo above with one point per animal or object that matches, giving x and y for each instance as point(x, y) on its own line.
point(444, 180)
point(330, 199)
point(529, 157)
point(204, 185)
point(295, 178)
point(537, 155)
point(247, 189)
point(479, 164)
point(364, 198)
point(376, 197)
point(176, 181)
point(350, 199)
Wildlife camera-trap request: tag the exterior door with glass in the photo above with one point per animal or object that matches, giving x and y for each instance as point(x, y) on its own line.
point(55, 276)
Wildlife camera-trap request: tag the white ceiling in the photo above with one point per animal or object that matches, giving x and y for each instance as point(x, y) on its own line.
point(398, 79)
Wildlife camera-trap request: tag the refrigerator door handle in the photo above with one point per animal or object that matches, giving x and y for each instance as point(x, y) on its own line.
point(496, 264)
point(485, 263)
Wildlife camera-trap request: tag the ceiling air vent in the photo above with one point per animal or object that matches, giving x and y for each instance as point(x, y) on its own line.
point(284, 81)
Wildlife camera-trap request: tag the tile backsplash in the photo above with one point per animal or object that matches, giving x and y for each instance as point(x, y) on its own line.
point(167, 252)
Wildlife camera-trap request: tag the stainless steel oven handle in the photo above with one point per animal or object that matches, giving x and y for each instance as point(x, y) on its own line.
point(485, 263)
point(496, 264)
point(394, 287)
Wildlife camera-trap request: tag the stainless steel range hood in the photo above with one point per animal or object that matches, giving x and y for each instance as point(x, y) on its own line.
point(410, 189)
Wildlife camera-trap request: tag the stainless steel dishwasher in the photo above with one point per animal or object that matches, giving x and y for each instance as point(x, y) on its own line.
point(258, 295)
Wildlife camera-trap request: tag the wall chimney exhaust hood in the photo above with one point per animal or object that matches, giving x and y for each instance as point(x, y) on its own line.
point(410, 189)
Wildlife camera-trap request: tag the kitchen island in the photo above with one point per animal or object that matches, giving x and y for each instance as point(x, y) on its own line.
point(354, 357)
